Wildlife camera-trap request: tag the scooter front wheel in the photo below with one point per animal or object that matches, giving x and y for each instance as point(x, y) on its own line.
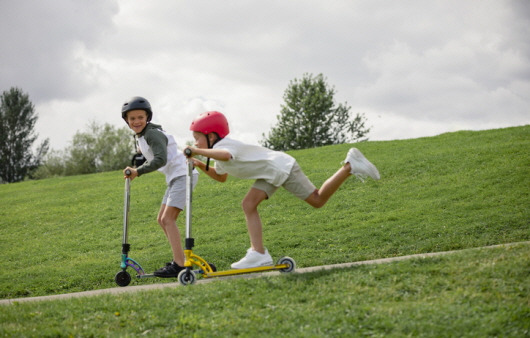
point(186, 277)
point(122, 278)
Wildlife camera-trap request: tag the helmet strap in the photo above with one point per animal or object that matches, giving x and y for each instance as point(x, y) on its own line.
point(210, 146)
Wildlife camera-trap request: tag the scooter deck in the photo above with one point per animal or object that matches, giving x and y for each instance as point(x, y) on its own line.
point(233, 272)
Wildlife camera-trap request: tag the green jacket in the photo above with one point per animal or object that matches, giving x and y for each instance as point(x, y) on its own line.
point(157, 142)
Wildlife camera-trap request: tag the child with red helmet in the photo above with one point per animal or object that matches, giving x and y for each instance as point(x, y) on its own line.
point(270, 169)
point(161, 153)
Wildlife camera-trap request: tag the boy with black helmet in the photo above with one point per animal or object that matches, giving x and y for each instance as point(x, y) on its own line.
point(271, 169)
point(161, 153)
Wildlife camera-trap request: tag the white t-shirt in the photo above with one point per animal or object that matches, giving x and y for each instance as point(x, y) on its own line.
point(254, 162)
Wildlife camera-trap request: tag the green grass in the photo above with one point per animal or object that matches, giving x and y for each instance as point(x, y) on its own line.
point(475, 293)
point(453, 191)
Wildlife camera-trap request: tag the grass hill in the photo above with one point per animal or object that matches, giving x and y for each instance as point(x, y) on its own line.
point(453, 191)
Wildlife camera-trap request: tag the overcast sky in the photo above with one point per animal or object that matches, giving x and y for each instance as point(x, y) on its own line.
point(414, 68)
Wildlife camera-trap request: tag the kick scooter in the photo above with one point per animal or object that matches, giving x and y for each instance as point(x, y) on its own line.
point(123, 278)
point(206, 270)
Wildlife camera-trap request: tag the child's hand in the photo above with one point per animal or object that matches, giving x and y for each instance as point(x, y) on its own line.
point(130, 173)
point(198, 163)
point(188, 152)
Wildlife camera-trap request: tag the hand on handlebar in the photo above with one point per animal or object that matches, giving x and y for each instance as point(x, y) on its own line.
point(130, 173)
point(188, 152)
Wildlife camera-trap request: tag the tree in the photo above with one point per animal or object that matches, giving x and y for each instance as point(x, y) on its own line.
point(99, 148)
point(310, 118)
point(17, 135)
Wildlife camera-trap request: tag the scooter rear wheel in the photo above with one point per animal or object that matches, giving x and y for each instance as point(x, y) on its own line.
point(122, 278)
point(291, 265)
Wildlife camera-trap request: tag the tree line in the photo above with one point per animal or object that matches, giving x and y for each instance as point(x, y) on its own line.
point(99, 148)
point(309, 118)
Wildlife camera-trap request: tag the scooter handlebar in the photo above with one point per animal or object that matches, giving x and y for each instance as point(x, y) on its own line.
point(128, 172)
point(187, 152)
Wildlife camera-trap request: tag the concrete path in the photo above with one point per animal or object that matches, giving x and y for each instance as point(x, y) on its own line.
point(136, 288)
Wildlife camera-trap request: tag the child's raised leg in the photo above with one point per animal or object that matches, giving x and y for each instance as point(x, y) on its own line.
point(319, 197)
point(355, 164)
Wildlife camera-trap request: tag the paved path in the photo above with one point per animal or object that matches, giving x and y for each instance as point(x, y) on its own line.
point(136, 288)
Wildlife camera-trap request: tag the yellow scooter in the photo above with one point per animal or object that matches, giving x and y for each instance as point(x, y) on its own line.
point(207, 270)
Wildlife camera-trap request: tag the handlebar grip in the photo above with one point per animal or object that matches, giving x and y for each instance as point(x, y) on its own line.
point(128, 172)
point(187, 152)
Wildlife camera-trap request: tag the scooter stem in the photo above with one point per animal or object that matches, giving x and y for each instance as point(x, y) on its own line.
point(189, 193)
point(126, 205)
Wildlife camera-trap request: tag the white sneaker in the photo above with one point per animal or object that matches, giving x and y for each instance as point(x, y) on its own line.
point(360, 166)
point(253, 259)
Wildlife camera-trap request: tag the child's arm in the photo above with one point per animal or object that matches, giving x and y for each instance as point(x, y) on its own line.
point(157, 141)
point(216, 154)
point(211, 171)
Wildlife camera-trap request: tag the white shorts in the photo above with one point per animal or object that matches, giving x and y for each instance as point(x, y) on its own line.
point(175, 195)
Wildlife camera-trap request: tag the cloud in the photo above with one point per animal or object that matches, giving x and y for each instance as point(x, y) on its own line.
point(415, 68)
point(42, 46)
point(473, 75)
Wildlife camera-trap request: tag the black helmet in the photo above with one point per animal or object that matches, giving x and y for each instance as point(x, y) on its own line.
point(135, 103)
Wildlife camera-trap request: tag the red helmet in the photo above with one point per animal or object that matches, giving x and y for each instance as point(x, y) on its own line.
point(211, 122)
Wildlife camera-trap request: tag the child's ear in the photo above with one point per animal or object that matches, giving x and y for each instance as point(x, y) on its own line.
point(212, 137)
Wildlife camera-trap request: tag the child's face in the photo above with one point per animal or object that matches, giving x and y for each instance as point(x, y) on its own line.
point(137, 120)
point(200, 140)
